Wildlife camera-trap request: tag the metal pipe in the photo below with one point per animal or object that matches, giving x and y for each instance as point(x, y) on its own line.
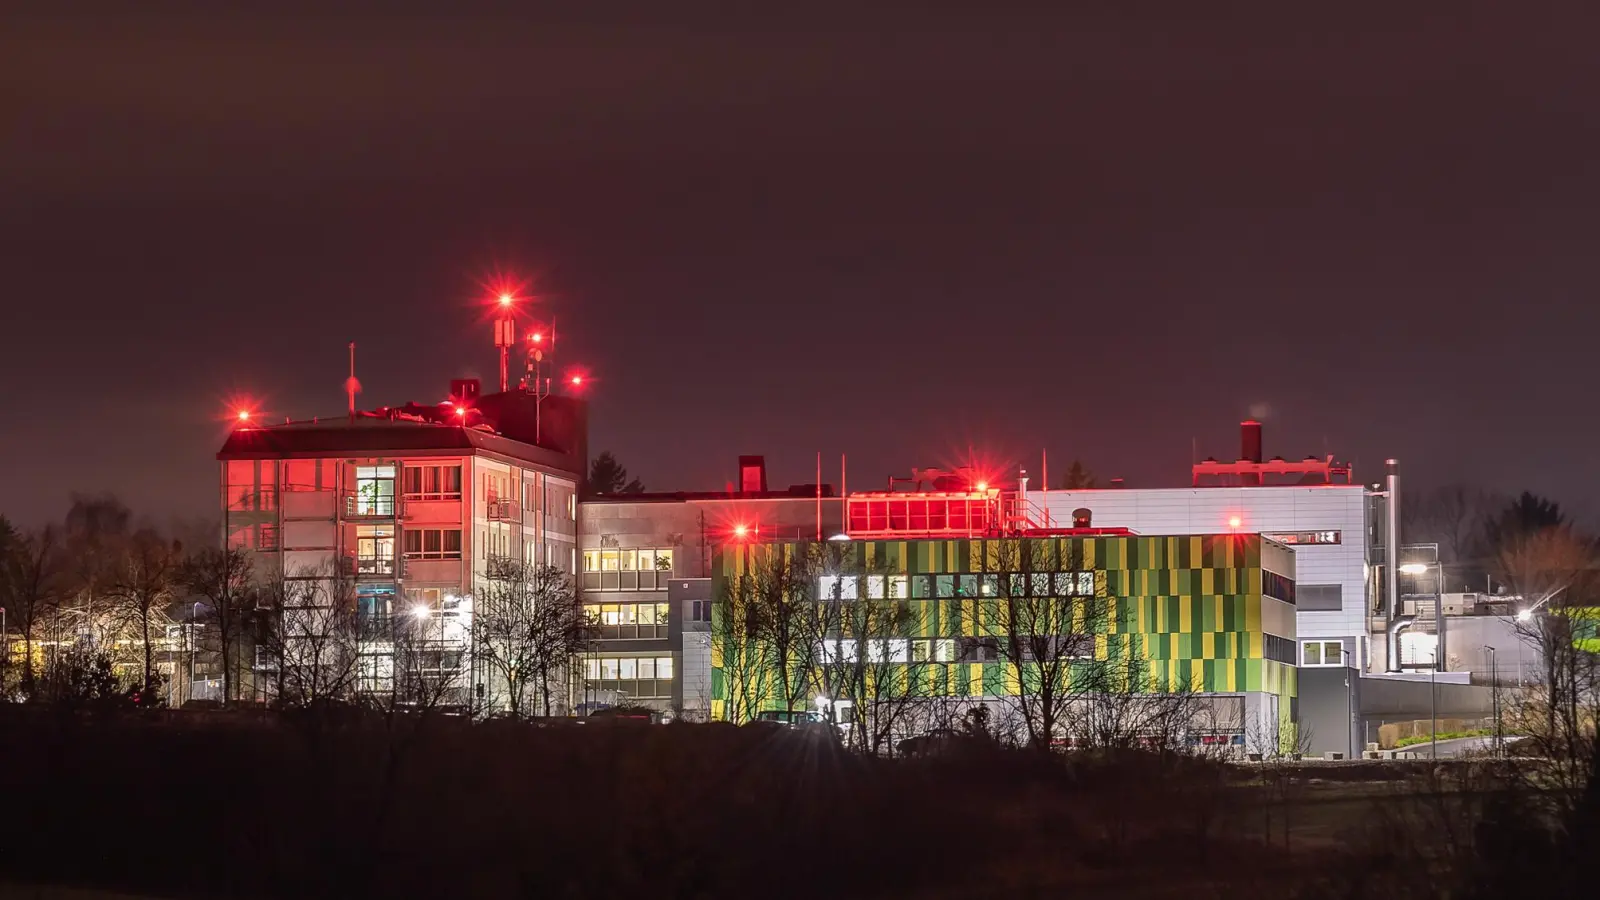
point(1391, 563)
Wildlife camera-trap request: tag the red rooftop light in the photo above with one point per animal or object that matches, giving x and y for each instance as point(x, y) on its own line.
point(244, 415)
point(505, 299)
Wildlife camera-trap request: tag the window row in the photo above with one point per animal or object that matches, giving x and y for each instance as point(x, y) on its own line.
point(899, 587)
point(1278, 649)
point(893, 650)
point(627, 560)
point(433, 543)
point(623, 621)
point(627, 570)
point(433, 482)
point(1322, 653)
point(1276, 586)
point(629, 668)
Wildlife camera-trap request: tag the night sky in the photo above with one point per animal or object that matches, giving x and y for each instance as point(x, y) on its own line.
point(896, 233)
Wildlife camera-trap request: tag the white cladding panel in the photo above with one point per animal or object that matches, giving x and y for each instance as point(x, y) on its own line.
point(1167, 511)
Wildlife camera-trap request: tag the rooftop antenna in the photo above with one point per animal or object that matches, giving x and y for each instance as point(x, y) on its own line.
point(505, 334)
point(351, 385)
point(536, 381)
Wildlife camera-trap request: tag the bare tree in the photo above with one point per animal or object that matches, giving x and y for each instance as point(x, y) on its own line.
point(32, 582)
point(871, 660)
point(1042, 607)
point(739, 650)
point(309, 638)
point(141, 587)
point(1553, 570)
point(223, 578)
point(527, 628)
point(97, 527)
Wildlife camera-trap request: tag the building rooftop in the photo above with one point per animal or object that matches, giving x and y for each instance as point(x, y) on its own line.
point(506, 425)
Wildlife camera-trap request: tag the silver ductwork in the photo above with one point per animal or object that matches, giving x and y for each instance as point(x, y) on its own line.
point(1391, 566)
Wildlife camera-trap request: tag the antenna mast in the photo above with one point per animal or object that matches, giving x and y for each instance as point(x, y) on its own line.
point(351, 385)
point(535, 381)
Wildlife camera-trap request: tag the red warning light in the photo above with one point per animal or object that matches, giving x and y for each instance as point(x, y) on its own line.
point(576, 380)
point(461, 411)
point(740, 531)
point(244, 415)
point(506, 299)
point(536, 338)
point(1234, 521)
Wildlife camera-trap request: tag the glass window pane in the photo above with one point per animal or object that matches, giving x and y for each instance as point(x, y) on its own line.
point(663, 667)
point(647, 667)
point(969, 586)
point(452, 541)
point(899, 587)
point(875, 587)
point(647, 614)
point(945, 585)
point(944, 650)
point(1313, 653)
point(629, 559)
point(663, 561)
point(921, 586)
point(608, 668)
point(1086, 584)
point(591, 560)
point(920, 651)
point(629, 669)
point(609, 614)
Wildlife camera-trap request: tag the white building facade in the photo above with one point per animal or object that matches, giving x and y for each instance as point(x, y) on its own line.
point(1328, 526)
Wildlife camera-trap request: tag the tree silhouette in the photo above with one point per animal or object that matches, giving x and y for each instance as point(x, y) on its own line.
point(607, 476)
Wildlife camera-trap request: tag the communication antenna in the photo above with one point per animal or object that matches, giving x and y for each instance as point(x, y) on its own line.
point(536, 382)
point(505, 335)
point(352, 387)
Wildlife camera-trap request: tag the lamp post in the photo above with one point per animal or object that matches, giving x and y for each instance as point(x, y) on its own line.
point(1419, 568)
point(1349, 702)
point(1494, 692)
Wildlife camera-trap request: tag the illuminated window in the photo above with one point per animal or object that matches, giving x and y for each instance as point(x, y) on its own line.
point(374, 550)
point(374, 494)
point(836, 587)
point(944, 650)
point(632, 677)
point(627, 570)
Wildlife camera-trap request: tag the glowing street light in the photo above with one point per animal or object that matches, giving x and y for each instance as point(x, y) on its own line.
point(1414, 568)
point(420, 612)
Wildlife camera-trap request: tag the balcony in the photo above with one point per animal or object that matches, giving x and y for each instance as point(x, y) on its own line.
point(369, 506)
point(370, 566)
point(503, 510)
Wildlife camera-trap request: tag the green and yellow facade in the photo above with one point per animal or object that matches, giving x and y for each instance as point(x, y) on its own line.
point(1200, 611)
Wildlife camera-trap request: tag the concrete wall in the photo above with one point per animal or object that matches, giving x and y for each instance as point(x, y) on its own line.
point(1330, 706)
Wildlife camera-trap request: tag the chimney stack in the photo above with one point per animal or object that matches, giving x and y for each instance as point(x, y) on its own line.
point(1250, 440)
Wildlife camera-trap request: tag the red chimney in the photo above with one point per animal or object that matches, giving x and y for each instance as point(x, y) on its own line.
point(1250, 440)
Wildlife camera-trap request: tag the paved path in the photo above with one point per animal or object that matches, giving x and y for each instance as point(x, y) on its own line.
point(1451, 748)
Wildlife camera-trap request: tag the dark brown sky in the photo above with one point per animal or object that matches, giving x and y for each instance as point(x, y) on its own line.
point(896, 233)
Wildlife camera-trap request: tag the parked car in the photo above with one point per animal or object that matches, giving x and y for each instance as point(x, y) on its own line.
point(934, 740)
